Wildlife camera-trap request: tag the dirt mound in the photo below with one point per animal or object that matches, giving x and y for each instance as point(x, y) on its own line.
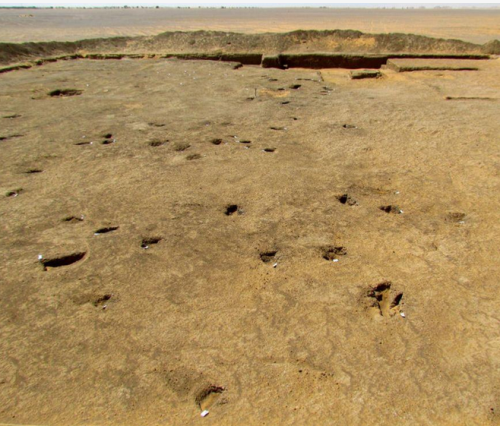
point(16, 52)
point(492, 47)
point(303, 41)
point(345, 41)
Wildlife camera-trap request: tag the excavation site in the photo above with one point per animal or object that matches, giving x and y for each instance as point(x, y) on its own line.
point(234, 228)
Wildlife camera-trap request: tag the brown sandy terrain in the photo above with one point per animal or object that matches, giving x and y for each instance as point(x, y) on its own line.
point(319, 250)
point(474, 25)
point(275, 246)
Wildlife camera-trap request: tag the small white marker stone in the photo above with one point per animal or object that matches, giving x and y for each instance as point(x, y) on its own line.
point(403, 314)
point(335, 260)
point(40, 257)
point(401, 211)
point(204, 413)
point(274, 266)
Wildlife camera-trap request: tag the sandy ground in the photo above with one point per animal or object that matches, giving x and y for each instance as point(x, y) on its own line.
point(478, 26)
point(243, 310)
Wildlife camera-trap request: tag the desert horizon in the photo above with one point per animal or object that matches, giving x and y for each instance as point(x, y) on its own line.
point(474, 25)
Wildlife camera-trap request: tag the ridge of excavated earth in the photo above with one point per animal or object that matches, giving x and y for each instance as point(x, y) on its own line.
point(339, 41)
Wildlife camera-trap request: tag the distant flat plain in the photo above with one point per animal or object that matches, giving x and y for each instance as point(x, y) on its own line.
point(21, 25)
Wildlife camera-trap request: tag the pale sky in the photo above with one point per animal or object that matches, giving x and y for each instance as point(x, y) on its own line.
point(241, 3)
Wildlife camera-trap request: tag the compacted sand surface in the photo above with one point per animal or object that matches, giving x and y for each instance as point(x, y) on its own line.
point(278, 247)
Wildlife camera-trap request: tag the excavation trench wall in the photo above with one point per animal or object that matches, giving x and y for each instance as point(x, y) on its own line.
point(294, 47)
point(242, 58)
point(282, 61)
point(333, 60)
point(310, 60)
